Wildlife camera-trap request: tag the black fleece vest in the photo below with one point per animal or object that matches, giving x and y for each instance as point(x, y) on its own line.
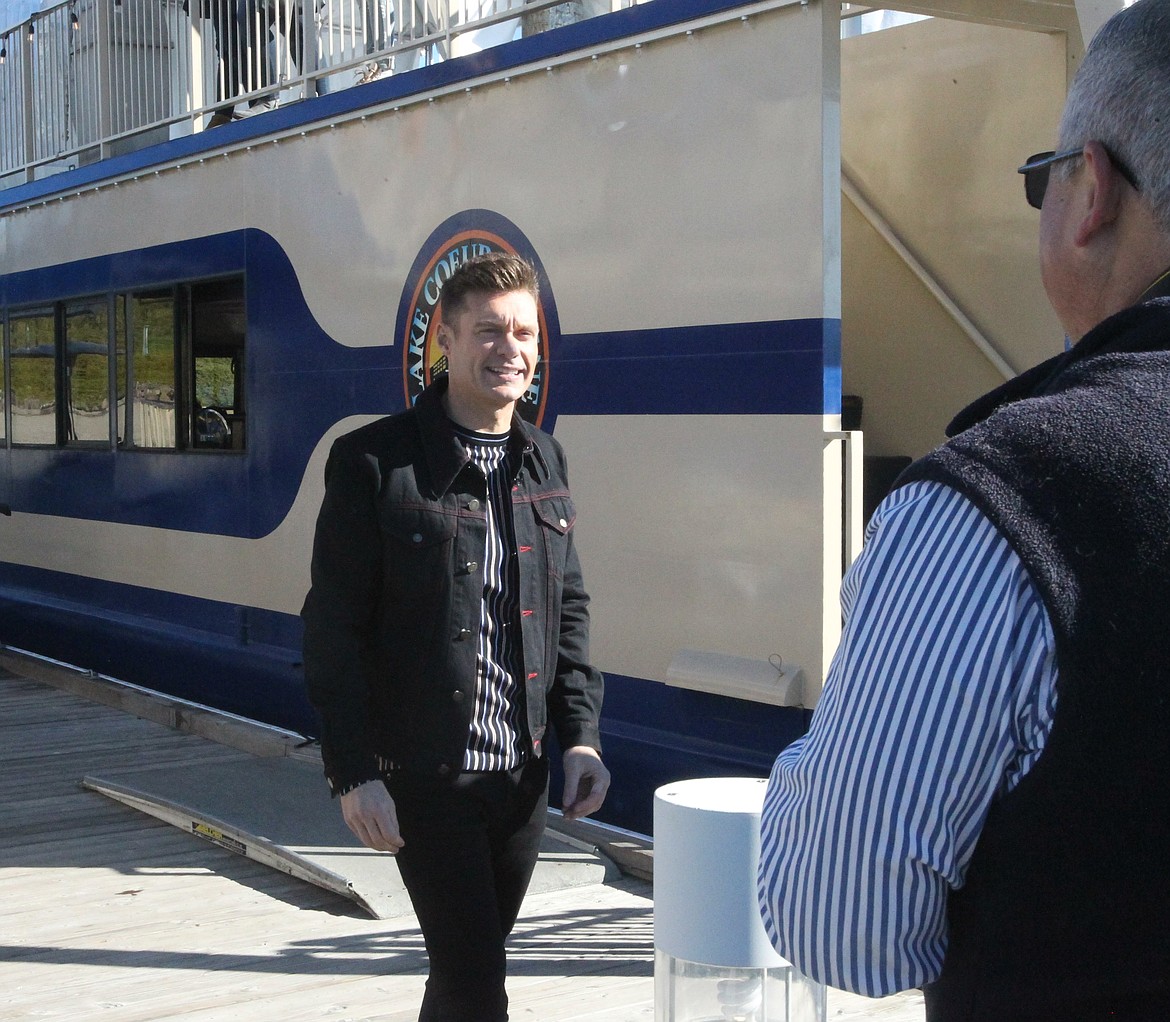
point(1065, 914)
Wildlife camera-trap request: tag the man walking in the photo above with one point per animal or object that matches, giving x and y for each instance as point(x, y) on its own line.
point(446, 628)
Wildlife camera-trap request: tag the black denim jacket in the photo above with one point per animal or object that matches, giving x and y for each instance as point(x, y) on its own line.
point(393, 615)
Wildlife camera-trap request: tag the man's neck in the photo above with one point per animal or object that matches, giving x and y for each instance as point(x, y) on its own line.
point(477, 420)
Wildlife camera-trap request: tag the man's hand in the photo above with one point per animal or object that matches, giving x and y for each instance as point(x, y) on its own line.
point(369, 812)
point(586, 782)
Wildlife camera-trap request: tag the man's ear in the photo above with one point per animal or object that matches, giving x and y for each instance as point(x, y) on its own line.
point(1102, 200)
point(443, 337)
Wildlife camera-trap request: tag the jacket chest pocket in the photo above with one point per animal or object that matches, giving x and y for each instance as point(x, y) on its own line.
point(555, 517)
point(417, 548)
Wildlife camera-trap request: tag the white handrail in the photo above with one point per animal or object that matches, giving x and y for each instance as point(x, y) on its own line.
point(964, 322)
point(88, 79)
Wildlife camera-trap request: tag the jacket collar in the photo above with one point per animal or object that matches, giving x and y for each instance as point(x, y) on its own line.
point(444, 452)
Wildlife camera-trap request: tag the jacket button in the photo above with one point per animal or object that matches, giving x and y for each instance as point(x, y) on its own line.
point(457, 696)
point(473, 505)
point(470, 566)
point(564, 524)
point(416, 538)
point(444, 770)
point(464, 635)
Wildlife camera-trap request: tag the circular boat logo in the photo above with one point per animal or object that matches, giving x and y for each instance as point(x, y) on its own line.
point(462, 237)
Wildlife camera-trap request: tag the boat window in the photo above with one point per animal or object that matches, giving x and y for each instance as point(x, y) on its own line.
point(216, 365)
point(87, 371)
point(181, 361)
point(119, 361)
point(146, 352)
point(32, 376)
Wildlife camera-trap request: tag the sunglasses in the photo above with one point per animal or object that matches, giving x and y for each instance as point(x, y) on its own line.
point(1037, 168)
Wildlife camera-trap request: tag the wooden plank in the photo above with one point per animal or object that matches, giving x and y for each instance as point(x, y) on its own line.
point(178, 714)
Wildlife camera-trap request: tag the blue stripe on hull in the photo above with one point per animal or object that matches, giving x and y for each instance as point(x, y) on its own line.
point(301, 382)
point(239, 659)
point(769, 368)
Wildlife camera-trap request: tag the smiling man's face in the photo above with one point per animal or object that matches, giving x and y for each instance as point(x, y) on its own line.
point(492, 349)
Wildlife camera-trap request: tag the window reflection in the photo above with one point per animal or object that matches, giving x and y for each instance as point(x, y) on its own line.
point(33, 377)
point(87, 371)
point(150, 368)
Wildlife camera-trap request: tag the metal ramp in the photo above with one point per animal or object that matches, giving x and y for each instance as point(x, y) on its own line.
point(278, 812)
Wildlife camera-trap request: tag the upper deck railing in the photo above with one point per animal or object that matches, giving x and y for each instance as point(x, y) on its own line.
point(88, 79)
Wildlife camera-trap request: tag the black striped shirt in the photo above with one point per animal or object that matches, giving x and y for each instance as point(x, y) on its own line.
point(495, 740)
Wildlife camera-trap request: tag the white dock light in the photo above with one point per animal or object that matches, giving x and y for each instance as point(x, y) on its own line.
point(713, 961)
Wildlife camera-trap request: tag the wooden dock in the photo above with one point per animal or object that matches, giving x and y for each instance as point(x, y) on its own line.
point(108, 913)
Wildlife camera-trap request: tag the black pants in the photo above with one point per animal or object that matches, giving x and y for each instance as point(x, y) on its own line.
point(471, 843)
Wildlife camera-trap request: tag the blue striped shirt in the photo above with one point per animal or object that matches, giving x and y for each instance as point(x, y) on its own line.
point(939, 699)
